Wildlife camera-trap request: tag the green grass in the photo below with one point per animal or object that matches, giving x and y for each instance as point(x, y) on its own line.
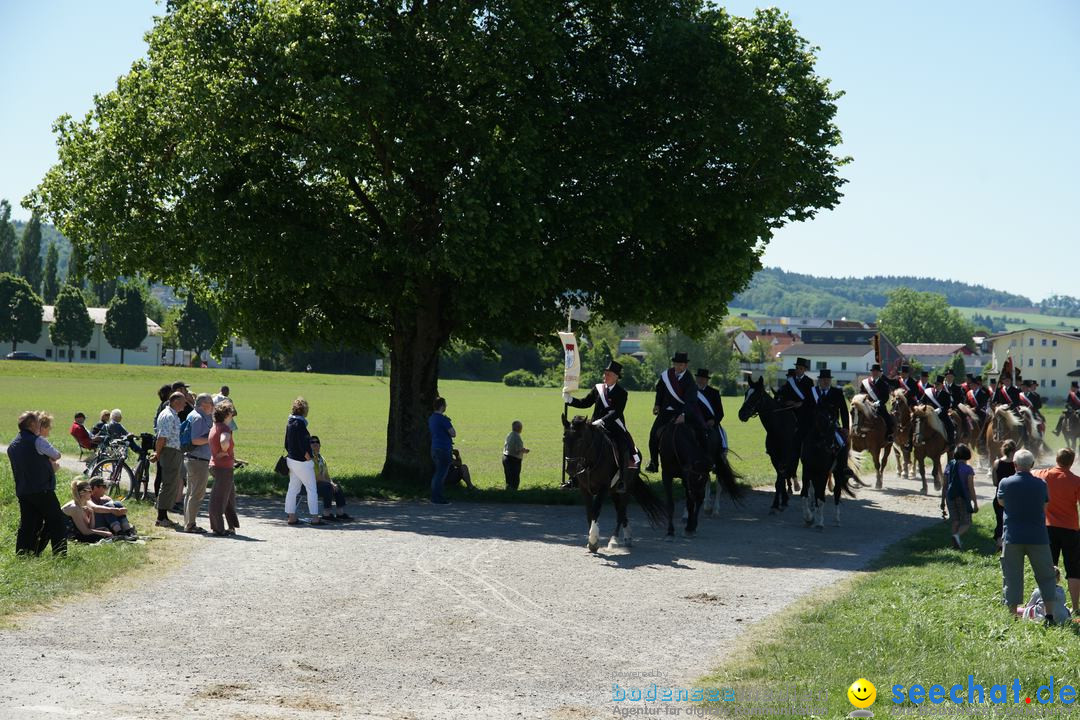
point(349, 414)
point(29, 583)
point(927, 615)
point(1026, 319)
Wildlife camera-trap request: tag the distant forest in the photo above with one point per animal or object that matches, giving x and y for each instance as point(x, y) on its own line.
point(776, 292)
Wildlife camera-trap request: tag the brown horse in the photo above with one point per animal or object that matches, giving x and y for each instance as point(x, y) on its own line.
point(966, 422)
point(902, 433)
point(930, 441)
point(1005, 424)
point(868, 433)
point(1070, 427)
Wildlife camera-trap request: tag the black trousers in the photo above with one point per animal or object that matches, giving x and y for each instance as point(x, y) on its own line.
point(41, 521)
point(512, 471)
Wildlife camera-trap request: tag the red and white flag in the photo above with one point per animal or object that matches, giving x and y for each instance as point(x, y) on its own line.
point(572, 365)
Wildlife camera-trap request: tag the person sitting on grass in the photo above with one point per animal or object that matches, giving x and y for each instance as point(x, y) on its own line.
point(42, 444)
point(1036, 607)
point(959, 492)
point(109, 514)
point(81, 517)
point(458, 472)
point(329, 491)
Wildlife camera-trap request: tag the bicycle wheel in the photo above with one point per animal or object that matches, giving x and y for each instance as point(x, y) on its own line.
point(140, 489)
point(119, 480)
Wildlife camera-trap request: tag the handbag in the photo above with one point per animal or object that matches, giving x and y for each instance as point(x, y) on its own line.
point(282, 467)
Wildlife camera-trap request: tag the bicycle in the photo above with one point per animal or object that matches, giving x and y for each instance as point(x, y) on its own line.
point(121, 482)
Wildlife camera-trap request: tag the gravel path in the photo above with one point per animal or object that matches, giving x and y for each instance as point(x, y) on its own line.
point(418, 611)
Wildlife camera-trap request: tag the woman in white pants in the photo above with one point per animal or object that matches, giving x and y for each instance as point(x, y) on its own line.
point(301, 466)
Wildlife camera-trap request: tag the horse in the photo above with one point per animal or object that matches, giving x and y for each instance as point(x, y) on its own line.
point(966, 422)
point(682, 457)
point(1005, 424)
point(1070, 427)
point(823, 455)
point(727, 480)
point(902, 433)
point(591, 458)
point(931, 441)
point(779, 424)
point(868, 433)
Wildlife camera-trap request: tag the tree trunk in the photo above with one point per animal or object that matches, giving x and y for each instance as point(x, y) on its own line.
point(71, 351)
point(121, 356)
point(414, 385)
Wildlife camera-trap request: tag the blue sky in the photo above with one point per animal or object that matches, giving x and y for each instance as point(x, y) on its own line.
point(963, 119)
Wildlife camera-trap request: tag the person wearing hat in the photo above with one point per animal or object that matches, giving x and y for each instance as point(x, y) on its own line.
point(876, 387)
point(1006, 394)
point(833, 402)
point(608, 401)
point(905, 382)
point(941, 401)
point(1030, 397)
point(676, 399)
point(977, 397)
point(795, 393)
point(712, 406)
point(954, 390)
point(921, 387)
point(1072, 405)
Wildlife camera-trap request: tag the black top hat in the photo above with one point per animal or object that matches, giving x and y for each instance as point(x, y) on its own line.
point(702, 373)
point(925, 373)
point(977, 379)
point(905, 368)
point(970, 376)
point(824, 373)
point(614, 367)
point(875, 366)
point(802, 362)
point(680, 357)
point(940, 379)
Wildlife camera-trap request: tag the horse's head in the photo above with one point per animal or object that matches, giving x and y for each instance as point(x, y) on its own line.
point(575, 438)
point(752, 399)
point(900, 406)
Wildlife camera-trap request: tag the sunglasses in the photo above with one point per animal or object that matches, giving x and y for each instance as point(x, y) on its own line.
point(84, 489)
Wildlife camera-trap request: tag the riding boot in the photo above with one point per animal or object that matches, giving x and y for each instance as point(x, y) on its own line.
point(654, 447)
point(1061, 419)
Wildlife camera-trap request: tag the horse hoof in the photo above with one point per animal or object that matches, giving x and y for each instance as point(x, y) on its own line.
point(689, 533)
point(613, 544)
point(808, 522)
point(819, 528)
point(924, 491)
point(593, 548)
point(878, 485)
point(836, 523)
point(670, 537)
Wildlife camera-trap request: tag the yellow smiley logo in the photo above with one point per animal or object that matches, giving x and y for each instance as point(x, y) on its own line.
point(862, 693)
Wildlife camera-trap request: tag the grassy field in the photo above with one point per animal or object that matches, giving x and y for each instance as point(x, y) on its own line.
point(928, 615)
point(26, 583)
point(348, 413)
point(1026, 320)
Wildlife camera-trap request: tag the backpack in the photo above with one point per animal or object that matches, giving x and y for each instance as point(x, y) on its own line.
point(185, 435)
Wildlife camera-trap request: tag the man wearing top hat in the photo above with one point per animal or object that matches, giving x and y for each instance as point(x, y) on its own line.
point(608, 401)
point(877, 389)
point(906, 383)
point(921, 387)
point(712, 406)
point(1072, 403)
point(941, 401)
point(795, 393)
point(1006, 394)
point(676, 399)
point(834, 403)
point(977, 397)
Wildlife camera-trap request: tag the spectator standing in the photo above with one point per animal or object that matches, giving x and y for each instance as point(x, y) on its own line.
point(442, 444)
point(959, 493)
point(301, 466)
point(222, 460)
point(330, 492)
point(40, 518)
point(82, 516)
point(1024, 498)
point(167, 452)
point(163, 394)
point(223, 396)
point(197, 461)
point(1062, 519)
point(1003, 468)
point(42, 444)
point(514, 451)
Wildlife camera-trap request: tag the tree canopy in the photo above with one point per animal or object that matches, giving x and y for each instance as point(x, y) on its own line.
point(196, 329)
point(7, 239)
point(72, 324)
point(922, 317)
point(50, 283)
point(411, 173)
point(29, 260)
point(20, 311)
point(125, 321)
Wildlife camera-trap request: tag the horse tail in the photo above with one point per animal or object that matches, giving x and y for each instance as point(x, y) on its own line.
point(729, 480)
point(655, 510)
point(845, 475)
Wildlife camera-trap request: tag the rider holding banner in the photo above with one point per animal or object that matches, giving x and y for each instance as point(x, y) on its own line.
point(608, 400)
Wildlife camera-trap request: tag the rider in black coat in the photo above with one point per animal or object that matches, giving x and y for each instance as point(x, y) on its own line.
point(608, 401)
point(676, 397)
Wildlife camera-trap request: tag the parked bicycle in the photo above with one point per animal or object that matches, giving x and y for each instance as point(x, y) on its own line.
point(121, 481)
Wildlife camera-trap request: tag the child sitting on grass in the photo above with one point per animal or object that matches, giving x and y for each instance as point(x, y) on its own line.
point(109, 514)
point(1036, 607)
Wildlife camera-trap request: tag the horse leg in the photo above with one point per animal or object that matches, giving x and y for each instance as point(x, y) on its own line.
point(808, 499)
point(779, 491)
point(669, 493)
point(708, 494)
point(922, 473)
point(619, 501)
point(594, 527)
point(819, 501)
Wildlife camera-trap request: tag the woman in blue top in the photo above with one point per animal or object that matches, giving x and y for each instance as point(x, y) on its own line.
point(959, 492)
point(442, 444)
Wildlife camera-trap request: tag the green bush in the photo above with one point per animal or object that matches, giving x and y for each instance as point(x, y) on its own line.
point(522, 378)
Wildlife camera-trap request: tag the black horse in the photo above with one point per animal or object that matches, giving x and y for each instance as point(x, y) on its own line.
point(590, 458)
point(822, 455)
point(779, 424)
point(682, 457)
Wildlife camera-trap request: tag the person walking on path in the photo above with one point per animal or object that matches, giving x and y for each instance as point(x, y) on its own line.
point(1003, 468)
point(169, 458)
point(197, 461)
point(1024, 498)
point(222, 460)
point(301, 466)
point(1062, 519)
point(959, 493)
point(442, 444)
point(41, 521)
point(514, 451)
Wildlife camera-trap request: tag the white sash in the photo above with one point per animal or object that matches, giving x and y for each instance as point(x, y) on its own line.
point(930, 394)
point(671, 390)
point(817, 395)
point(795, 387)
point(870, 390)
point(705, 400)
point(601, 390)
point(1024, 399)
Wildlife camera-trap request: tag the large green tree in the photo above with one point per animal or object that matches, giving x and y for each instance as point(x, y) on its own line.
point(7, 239)
point(125, 321)
point(50, 283)
point(20, 311)
point(196, 329)
point(72, 324)
point(29, 261)
point(366, 172)
point(911, 316)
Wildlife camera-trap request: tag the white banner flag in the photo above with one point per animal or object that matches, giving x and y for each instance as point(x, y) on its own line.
point(572, 367)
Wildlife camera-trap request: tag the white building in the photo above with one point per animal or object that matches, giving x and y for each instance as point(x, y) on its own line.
point(98, 350)
point(237, 355)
